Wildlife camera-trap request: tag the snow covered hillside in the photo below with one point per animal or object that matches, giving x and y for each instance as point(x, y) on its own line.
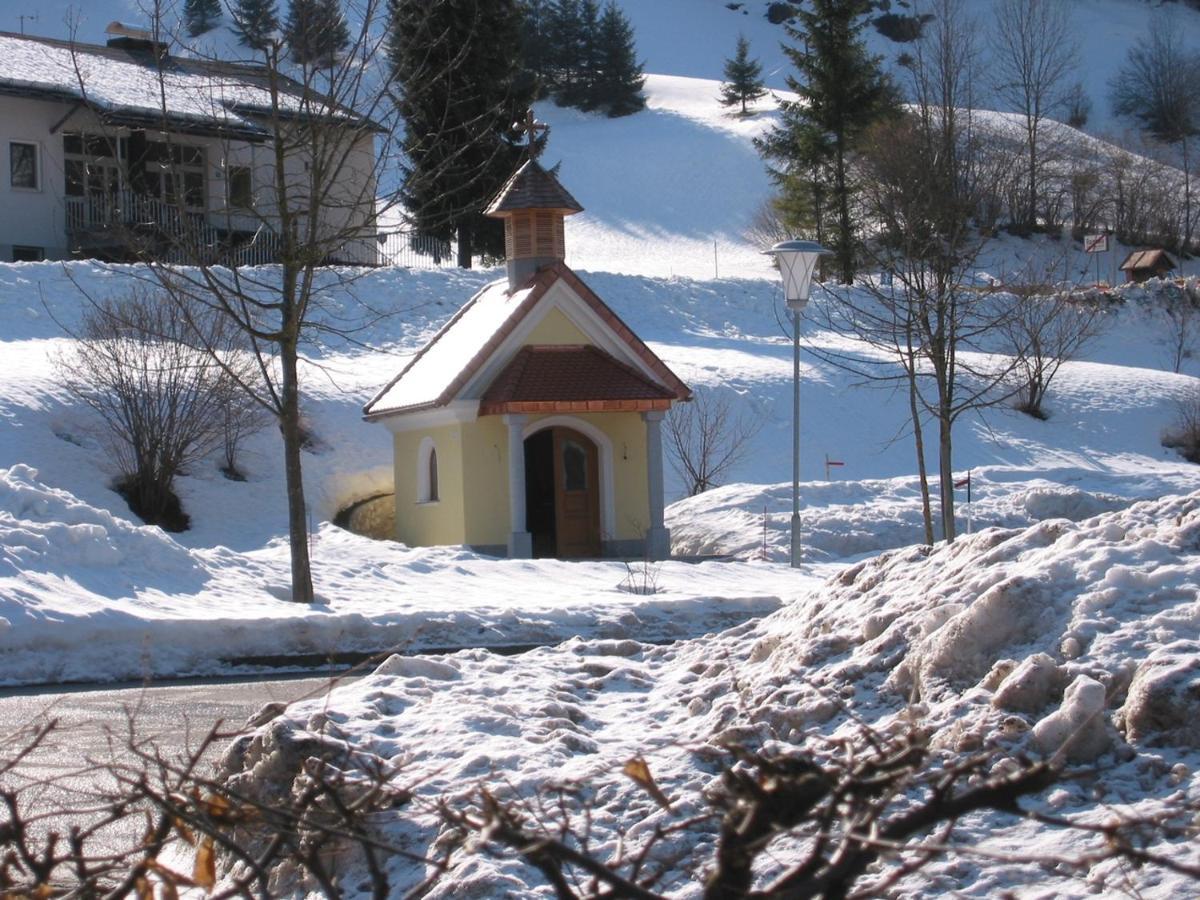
point(1075, 642)
point(692, 38)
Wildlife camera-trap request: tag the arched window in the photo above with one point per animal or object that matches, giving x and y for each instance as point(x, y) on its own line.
point(428, 489)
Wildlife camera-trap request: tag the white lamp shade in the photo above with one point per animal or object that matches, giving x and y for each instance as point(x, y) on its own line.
point(797, 260)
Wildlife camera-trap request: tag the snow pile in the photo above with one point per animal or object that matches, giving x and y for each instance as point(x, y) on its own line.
point(843, 520)
point(1067, 640)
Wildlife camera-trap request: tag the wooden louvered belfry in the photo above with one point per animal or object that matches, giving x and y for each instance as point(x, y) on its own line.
point(533, 206)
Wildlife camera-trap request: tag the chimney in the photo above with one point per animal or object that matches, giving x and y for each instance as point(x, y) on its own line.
point(533, 206)
point(134, 40)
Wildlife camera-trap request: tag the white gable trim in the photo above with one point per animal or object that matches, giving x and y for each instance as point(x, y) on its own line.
point(456, 412)
point(562, 297)
point(608, 501)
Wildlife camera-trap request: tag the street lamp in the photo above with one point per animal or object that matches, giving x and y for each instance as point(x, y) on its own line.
point(797, 260)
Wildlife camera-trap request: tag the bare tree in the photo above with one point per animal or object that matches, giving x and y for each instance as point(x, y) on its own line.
point(921, 187)
point(1043, 332)
point(164, 400)
point(327, 133)
point(1159, 87)
point(707, 438)
point(1034, 56)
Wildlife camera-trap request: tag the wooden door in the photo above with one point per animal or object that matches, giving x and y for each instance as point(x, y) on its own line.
point(576, 494)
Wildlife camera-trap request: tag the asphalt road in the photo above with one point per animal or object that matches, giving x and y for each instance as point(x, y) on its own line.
point(177, 715)
point(65, 778)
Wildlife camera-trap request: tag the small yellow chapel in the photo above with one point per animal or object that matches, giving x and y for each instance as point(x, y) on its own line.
point(531, 424)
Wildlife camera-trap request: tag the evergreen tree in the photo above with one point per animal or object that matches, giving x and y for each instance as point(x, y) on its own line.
point(316, 32)
point(536, 52)
point(841, 92)
point(564, 48)
point(617, 88)
point(200, 16)
point(254, 21)
point(580, 55)
point(743, 78)
point(458, 87)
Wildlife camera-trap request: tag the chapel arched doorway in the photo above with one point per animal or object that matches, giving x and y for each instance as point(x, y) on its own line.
point(562, 493)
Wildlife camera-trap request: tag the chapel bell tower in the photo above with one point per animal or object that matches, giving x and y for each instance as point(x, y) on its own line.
point(533, 206)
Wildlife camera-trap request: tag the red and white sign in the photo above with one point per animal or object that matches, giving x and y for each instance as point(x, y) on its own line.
point(1095, 243)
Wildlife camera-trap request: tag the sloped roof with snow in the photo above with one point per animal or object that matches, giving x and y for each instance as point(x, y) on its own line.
point(434, 377)
point(127, 87)
point(1147, 259)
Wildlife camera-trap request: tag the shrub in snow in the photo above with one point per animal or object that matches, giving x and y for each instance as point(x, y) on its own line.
point(165, 386)
point(1184, 434)
point(778, 13)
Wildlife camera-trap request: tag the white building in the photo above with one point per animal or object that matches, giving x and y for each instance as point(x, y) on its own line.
point(123, 150)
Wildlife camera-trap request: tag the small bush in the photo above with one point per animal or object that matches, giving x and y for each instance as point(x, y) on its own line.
point(162, 384)
point(1079, 106)
point(1184, 435)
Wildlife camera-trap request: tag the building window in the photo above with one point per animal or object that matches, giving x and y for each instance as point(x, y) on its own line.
point(433, 479)
point(23, 165)
point(428, 487)
point(28, 254)
point(241, 187)
point(175, 174)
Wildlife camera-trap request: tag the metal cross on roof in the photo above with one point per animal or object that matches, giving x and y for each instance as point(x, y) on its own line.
point(530, 128)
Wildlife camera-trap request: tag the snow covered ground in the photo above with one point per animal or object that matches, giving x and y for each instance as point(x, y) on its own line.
point(1064, 640)
point(87, 594)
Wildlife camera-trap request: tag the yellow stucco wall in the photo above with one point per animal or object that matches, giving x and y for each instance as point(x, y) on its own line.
point(554, 329)
point(473, 506)
point(429, 524)
point(485, 476)
point(485, 458)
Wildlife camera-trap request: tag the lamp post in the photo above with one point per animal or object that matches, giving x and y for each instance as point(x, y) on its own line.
point(797, 260)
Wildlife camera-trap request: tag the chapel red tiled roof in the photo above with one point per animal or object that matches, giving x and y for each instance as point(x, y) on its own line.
point(578, 377)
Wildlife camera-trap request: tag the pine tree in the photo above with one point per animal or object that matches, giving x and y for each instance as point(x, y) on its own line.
point(580, 29)
point(316, 32)
point(619, 80)
point(536, 53)
point(254, 21)
point(841, 92)
point(200, 16)
point(743, 78)
point(458, 87)
point(563, 47)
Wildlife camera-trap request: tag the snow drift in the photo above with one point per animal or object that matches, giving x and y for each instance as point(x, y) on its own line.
point(1074, 641)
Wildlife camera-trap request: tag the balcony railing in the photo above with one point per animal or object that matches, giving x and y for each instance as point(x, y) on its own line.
point(140, 226)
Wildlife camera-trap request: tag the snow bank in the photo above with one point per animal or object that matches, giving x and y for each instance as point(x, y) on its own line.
point(88, 596)
point(1072, 640)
